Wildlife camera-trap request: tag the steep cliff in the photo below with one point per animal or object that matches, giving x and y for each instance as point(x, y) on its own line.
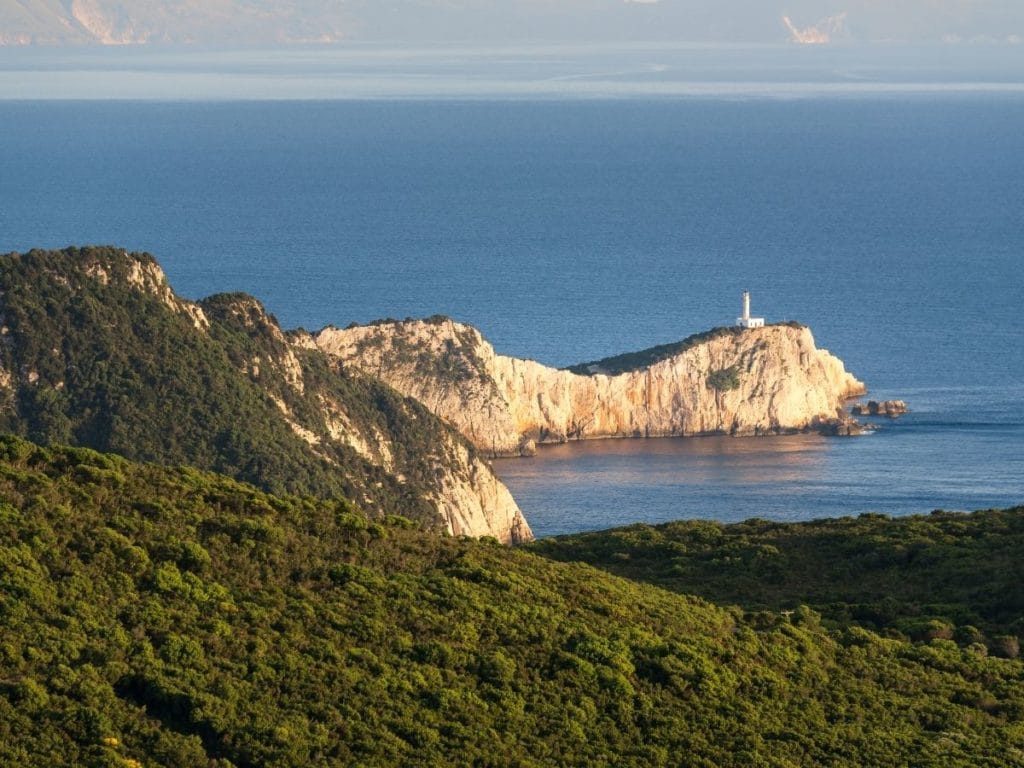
point(97, 350)
point(742, 382)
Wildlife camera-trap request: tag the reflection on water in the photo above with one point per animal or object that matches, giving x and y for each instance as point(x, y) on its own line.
point(690, 461)
point(902, 469)
point(603, 483)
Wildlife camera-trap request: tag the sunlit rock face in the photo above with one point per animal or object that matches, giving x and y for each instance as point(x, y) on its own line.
point(758, 381)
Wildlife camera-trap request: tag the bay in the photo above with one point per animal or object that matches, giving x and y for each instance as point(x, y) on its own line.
point(568, 230)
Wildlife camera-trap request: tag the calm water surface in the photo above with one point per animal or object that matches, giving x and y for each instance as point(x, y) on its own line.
point(906, 466)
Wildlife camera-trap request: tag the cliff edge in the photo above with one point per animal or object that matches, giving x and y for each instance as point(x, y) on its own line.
point(726, 381)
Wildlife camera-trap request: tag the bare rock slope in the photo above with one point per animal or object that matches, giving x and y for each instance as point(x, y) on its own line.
point(757, 381)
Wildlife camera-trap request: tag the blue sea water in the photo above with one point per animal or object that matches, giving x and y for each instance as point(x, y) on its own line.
point(572, 229)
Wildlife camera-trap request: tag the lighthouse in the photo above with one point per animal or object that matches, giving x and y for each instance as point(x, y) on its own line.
point(747, 321)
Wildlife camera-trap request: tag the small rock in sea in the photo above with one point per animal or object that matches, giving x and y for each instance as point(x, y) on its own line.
point(890, 408)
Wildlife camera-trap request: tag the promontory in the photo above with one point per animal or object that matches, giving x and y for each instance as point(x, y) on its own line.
point(729, 380)
point(97, 350)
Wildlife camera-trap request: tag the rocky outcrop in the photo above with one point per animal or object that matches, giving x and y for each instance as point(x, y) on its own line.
point(147, 276)
point(474, 502)
point(757, 381)
point(889, 408)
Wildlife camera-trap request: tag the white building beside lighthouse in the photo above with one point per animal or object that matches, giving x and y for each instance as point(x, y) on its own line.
point(747, 321)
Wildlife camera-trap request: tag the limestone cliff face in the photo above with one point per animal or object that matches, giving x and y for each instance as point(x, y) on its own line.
point(757, 381)
point(474, 502)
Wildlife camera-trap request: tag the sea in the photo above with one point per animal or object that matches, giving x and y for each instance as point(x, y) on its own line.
point(572, 207)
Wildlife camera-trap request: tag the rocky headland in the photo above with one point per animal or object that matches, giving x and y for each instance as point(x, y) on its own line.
point(97, 350)
point(726, 381)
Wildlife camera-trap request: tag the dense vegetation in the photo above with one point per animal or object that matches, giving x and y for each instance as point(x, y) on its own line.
point(432, 320)
point(943, 575)
point(98, 359)
point(158, 616)
point(632, 361)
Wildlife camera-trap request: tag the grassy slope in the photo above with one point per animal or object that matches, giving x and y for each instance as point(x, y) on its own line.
point(172, 617)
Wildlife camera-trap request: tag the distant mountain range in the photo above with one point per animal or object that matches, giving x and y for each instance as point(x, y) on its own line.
point(116, 22)
point(259, 22)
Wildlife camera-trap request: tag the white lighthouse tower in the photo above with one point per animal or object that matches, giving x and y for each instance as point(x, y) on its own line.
point(747, 321)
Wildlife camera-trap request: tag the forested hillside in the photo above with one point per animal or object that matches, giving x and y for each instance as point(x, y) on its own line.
point(156, 616)
point(944, 575)
point(98, 351)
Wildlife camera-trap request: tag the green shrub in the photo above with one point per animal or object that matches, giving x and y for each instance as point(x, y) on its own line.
point(724, 379)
